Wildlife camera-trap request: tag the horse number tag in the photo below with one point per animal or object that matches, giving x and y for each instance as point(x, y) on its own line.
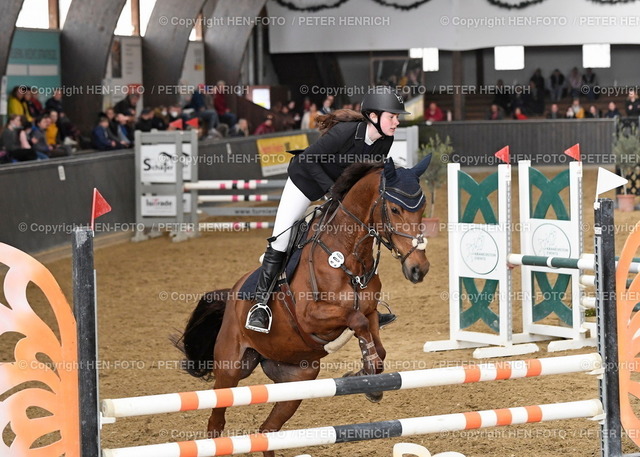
point(336, 259)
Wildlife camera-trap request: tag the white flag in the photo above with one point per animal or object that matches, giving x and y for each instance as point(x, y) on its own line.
point(608, 181)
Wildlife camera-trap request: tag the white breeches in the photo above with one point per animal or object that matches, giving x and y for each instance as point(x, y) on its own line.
point(293, 205)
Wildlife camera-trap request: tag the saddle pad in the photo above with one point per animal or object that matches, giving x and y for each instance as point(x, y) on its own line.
point(247, 291)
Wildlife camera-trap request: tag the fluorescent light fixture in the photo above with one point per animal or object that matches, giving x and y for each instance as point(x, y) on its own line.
point(596, 56)
point(508, 57)
point(430, 59)
point(415, 53)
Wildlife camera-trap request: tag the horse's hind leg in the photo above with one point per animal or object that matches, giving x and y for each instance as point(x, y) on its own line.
point(231, 367)
point(282, 411)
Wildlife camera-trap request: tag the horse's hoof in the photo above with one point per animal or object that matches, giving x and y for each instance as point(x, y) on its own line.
point(374, 397)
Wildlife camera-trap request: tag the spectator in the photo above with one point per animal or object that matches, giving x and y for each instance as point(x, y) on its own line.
point(266, 126)
point(502, 98)
point(175, 114)
point(575, 82)
point(203, 110)
point(519, 115)
point(241, 129)
point(589, 83)
point(593, 113)
point(53, 136)
point(55, 102)
point(326, 105)
point(554, 112)
point(124, 133)
point(220, 104)
point(632, 104)
point(578, 111)
point(538, 80)
point(15, 140)
point(17, 104)
point(556, 85)
point(37, 139)
point(127, 105)
point(288, 120)
point(33, 104)
point(101, 136)
point(433, 113)
point(309, 118)
point(145, 121)
point(612, 111)
point(570, 114)
point(496, 113)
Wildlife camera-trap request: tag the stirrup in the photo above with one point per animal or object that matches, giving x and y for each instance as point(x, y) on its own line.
point(269, 316)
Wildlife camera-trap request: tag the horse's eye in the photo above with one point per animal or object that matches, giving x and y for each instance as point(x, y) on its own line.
point(395, 210)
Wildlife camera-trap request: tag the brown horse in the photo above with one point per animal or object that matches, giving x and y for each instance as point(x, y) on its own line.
point(370, 205)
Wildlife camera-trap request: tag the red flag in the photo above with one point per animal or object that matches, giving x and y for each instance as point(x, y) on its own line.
point(98, 207)
point(503, 154)
point(177, 124)
point(574, 152)
point(193, 122)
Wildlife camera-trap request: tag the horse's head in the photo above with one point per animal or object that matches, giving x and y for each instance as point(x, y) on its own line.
point(401, 203)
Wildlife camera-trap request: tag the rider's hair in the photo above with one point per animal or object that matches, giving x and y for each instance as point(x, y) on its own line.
point(326, 121)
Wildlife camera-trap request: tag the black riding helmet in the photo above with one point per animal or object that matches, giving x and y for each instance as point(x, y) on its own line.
point(380, 99)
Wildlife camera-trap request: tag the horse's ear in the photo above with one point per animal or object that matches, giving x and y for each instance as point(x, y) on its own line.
point(422, 166)
point(389, 169)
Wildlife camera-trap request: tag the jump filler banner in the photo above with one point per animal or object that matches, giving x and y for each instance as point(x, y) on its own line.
point(274, 158)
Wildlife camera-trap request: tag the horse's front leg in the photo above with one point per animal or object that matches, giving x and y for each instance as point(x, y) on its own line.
point(372, 362)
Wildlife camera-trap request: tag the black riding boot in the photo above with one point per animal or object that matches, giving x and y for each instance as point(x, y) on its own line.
point(385, 319)
point(259, 317)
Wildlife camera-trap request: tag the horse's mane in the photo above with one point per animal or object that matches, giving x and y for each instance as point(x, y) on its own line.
point(351, 175)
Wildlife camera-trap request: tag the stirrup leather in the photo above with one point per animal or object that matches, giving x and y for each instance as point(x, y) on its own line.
point(269, 315)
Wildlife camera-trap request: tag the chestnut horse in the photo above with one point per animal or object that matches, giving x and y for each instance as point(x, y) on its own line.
point(323, 301)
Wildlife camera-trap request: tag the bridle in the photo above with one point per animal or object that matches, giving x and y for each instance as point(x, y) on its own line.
point(371, 231)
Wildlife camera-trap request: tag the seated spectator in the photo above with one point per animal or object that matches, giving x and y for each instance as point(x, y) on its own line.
point(433, 113)
point(69, 133)
point(288, 121)
point(554, 112)
point(589, 82)
point(38, 140)
point(266, 126)
point(145, 121)
point(593, 113)
point(496, 113)
point(309, 118)
point(101, 137)
point(556, 85)
point(578, 111)
point(160, 115)
point(175, 114)
point(632, 104)
point(220, 104)
point(570, 114)
point(16, 103)
point(55, 102)
point(203, 110)
point(295, 113)
point(14, 140)
point(612, 111)
point(53, 137)
point(127, 105)
point(518, 115)
point(241, 128)
point(33, 104)
point(124, 133)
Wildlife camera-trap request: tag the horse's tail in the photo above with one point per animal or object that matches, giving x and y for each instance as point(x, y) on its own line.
point(199, 338)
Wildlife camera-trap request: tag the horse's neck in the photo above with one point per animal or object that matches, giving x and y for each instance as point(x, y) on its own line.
point(358, 202)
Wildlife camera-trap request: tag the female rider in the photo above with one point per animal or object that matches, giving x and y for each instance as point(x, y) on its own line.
point(347, 137)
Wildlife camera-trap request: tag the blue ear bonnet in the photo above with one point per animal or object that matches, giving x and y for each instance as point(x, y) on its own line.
point(402, 185)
